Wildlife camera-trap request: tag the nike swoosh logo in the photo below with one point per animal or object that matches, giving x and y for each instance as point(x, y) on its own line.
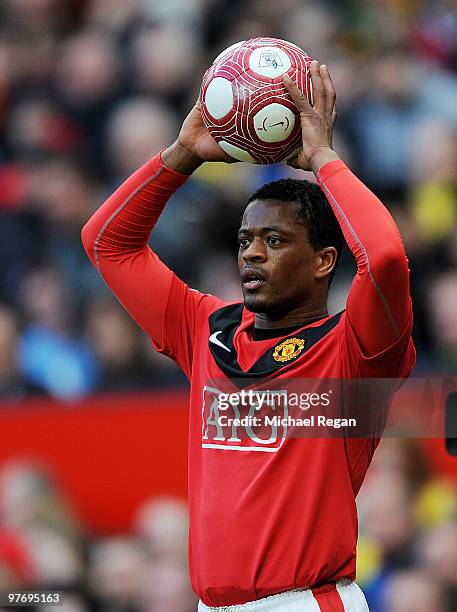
point(214, 339)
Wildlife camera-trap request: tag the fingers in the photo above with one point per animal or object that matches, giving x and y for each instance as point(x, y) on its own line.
point(324, 96)
point(329, 91)
point(318, 87)
point(297, 96)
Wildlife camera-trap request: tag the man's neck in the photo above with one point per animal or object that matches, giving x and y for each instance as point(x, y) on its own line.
point(297, 317)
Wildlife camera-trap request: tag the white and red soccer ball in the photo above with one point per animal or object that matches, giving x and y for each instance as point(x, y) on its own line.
point(246, 107)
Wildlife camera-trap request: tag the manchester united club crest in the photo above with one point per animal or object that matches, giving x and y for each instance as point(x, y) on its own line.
point(288, 349)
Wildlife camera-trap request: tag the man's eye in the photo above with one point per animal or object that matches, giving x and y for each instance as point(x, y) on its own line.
point(272, 241)
point(243, 242)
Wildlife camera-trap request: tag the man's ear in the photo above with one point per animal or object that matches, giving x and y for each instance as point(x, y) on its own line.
point(325, 262)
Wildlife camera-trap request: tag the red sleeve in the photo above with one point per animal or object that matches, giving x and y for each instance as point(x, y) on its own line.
point(116, 238)
point(379, 315)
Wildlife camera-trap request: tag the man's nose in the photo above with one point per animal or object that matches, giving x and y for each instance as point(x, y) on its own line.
point(255, 251)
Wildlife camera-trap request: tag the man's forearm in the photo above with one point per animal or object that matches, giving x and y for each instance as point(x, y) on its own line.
point(123, 223)
point(116, 240)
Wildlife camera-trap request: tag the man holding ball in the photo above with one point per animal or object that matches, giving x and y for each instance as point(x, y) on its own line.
point(272, 527)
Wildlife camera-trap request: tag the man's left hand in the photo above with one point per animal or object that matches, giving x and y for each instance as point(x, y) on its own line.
point(317, 121)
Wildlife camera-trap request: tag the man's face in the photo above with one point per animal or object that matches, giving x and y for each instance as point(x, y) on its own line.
point(276, 261)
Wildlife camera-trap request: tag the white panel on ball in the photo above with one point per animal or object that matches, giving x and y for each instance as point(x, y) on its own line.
point(269, 61)
point(236, 152)
point(274, 122)
point(226, 51)
point(219, 97)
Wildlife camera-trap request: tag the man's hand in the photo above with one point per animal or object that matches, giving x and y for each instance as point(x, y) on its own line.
point(193, 146)
point(316, 121)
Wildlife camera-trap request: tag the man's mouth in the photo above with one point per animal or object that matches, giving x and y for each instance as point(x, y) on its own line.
point(252, 278)
point(254, 284)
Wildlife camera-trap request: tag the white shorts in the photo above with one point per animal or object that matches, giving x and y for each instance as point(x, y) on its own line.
point(342, 597)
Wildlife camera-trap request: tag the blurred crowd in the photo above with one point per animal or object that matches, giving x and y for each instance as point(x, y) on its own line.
point(89, 89)
point(407, 558)
point(44, 545)
point(407, 550)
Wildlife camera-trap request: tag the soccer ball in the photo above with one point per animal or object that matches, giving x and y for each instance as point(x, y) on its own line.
point(246, 107)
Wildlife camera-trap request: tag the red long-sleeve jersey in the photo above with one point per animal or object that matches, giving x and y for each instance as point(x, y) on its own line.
point(272, 515)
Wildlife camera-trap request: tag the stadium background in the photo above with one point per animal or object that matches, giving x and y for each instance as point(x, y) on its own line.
point(92, 422)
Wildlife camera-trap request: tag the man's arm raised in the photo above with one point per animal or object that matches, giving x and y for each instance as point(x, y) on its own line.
point(379, 305)
point(116, 240)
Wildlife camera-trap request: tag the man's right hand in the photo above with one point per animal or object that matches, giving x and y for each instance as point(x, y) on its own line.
point(194, 146)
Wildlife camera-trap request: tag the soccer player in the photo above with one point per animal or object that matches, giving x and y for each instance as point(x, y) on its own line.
point(272, 526)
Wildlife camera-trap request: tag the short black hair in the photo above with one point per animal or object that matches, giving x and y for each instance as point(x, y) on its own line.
point(314, 211)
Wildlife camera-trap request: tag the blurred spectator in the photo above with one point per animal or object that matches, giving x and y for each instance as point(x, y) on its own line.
point(48, 355)
point(162, 523)
point(65, 195)
point(116, 567)
point(442, 300)
point(312, 27)
point(58, 564)
point(13, 385)
point(36, 126)
point(87, 69)
point(164, 62)
point(166, 588)
point(383, 119)
point(438, 557)
point(433, 165)
point(117, 343)
point(413, 591)
point(87, 83)
point(435, 35)
point(388, 531)
point(136, 130)
point(401, 458)
point(29, 498)
point(32, 507)
point(406, 529)
point(395, 535)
